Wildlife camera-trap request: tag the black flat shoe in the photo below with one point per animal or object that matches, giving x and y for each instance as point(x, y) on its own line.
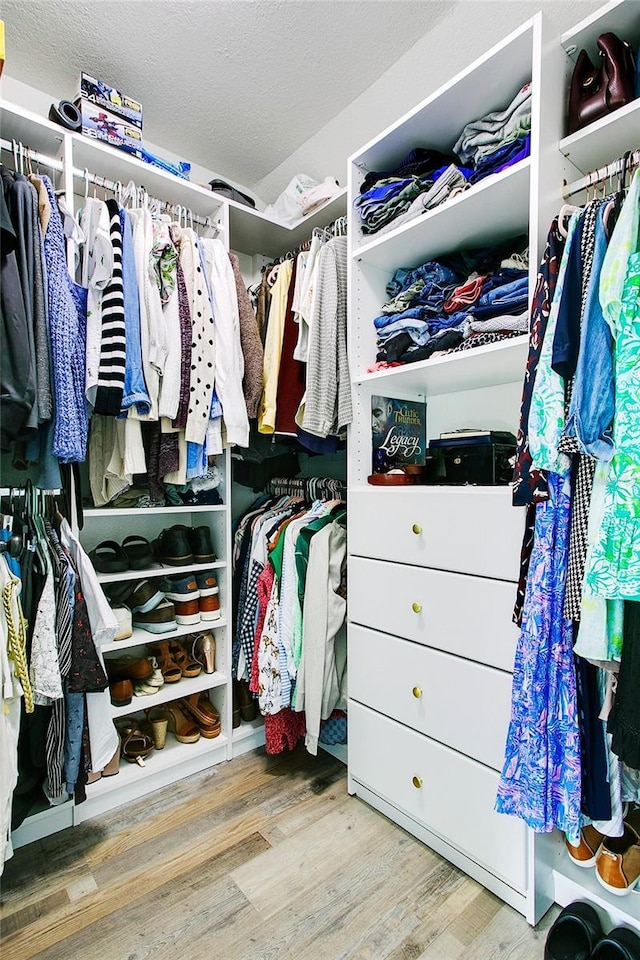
point(620, 944)
point(574, 933)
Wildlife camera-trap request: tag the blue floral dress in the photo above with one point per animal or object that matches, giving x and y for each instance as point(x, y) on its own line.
point(541, 777)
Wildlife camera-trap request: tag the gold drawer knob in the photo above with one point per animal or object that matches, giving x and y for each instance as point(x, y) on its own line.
point(417, 692)
point(416, 607)
point(417, 529)
point(417, 782)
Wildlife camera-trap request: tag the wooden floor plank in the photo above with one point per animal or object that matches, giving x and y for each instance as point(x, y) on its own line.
point(259, 859)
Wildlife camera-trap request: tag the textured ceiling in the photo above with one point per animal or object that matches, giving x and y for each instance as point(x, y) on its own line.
point(235, 85)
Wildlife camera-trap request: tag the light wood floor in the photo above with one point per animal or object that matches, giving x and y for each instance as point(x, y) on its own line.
point(257, 859)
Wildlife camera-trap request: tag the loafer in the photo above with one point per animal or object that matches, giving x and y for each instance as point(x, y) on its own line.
point(121, 692)
point(585, 853)
point(162, 619)
point(574, 933)
point(620, 944)
point(144, 596)
point(172, 547)
point(129, 668)
point(201, 545)
point(618, 860)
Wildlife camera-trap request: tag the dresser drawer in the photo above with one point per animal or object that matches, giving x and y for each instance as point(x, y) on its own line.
point(463, 704)
point(468, 616)
point(446, 792)
point(466, 529)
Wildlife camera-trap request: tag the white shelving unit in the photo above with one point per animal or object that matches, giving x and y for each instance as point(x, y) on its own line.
point(450, 557)
point(427, 749)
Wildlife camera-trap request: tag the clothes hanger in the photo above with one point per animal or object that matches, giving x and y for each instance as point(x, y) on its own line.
point(566, 211)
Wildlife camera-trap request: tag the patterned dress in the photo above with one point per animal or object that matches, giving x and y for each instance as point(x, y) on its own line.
point(614, 564)
point(541, 777)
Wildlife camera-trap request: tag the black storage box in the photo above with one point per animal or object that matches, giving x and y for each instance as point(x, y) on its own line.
point(486, 464)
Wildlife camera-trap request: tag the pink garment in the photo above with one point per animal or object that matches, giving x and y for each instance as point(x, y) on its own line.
point(464, 295)
point(283, 730)
point(263, 586)
point(383, 365)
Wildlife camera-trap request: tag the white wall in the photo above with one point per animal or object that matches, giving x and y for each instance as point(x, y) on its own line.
point(471, 28)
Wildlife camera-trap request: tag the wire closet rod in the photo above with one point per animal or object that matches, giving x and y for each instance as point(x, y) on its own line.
point(54, 164)
point(601, 174)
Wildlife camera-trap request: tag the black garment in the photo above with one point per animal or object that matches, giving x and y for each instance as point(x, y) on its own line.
point(32, 763)
point(419, 163)
point(596, 795)
point(86, 674)
point(17, 360)
point(448, 340)
point(624, 719)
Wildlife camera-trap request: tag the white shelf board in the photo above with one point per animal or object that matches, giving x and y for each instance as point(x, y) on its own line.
point(43, 824)
point(250, 232)
point(114, 164)
point(92, 512)
point(502, 362)
point(459, 223)
point(438, 120)
point(247, 729)
point(337, 750)
point(604, 140)
point(159, 571)
point(619, 16)
point(30, 129)
point(172, 691)
point(140, 637)
point(579, 883)
point(168, 761)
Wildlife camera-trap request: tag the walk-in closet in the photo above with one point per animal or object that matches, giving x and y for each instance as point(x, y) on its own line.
point(320, 479)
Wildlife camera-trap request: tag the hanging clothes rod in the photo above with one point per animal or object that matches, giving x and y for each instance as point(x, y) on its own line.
point(601, 174)
point(20, 151)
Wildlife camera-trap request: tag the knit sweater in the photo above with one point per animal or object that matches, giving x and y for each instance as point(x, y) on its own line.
point(251, 344)
point(326, 407)
point(111, 369)
point(68, 332)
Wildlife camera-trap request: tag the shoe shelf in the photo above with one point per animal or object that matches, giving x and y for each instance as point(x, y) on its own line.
point(438, 231)
point(159, 571)
point(174, 762)
point(248, 736)
point(579, 883)
point(141, 637)
point(91, 512)
point(172, 691)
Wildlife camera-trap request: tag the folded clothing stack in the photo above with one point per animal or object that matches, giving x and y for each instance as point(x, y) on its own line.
point(442, 305)
point(425, 178)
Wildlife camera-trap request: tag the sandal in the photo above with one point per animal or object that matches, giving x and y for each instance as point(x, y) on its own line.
point(138, 552)
point(187, 664)
point(183, 728)
point(135, 745)
point(168, 666)
point(108, 557)
point(204, 713)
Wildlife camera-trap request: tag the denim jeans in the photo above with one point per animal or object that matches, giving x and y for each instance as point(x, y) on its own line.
point(430, 272)
point(412, 313)
point(592, 401)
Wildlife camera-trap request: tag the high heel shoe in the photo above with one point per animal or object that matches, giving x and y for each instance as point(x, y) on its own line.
point(204, 651)
point(158, 721)
point(189, 667)
point(182, 727)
